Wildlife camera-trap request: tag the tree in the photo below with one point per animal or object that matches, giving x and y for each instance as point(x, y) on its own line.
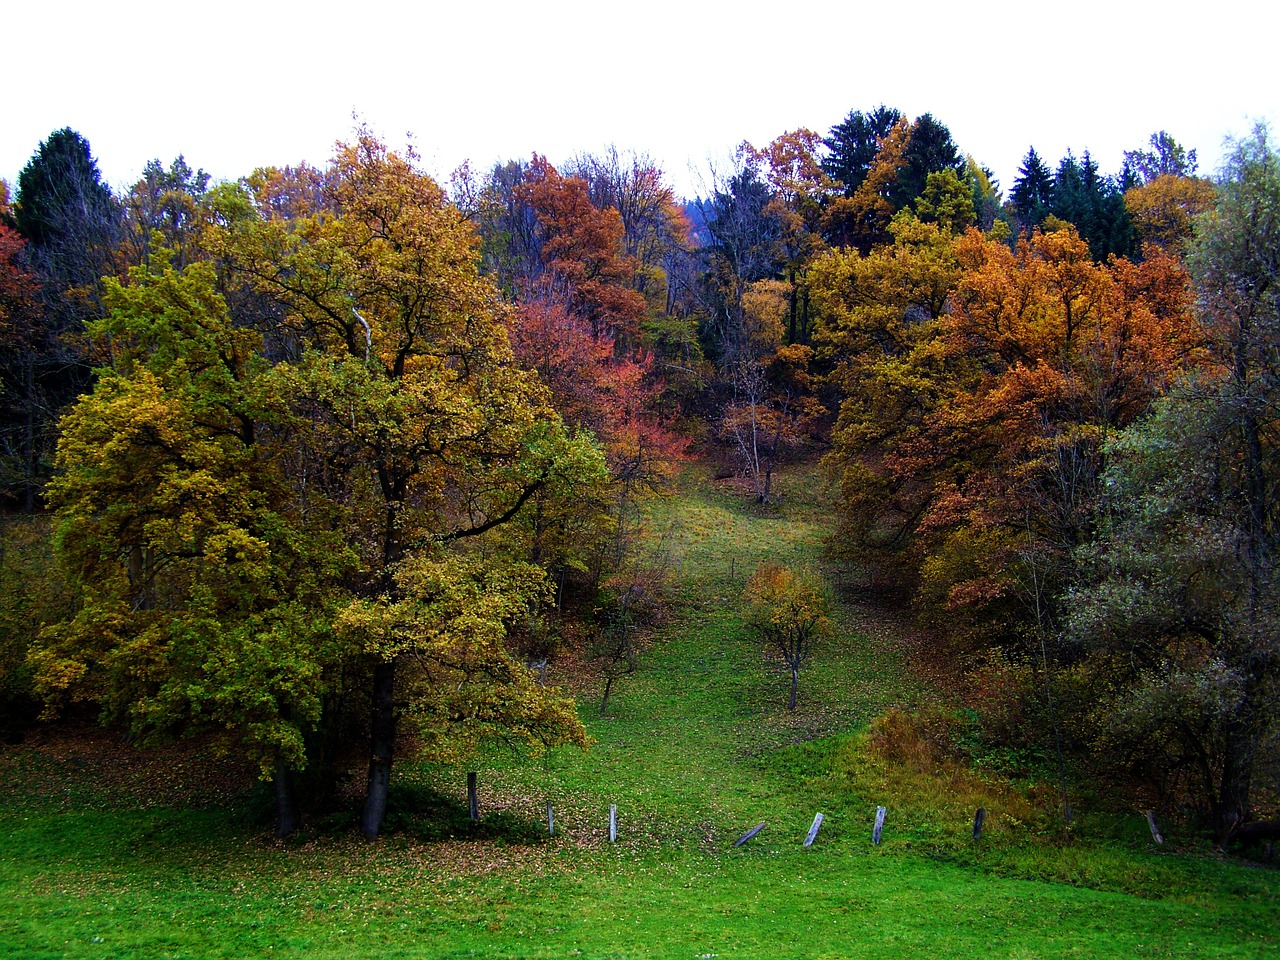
point(1094, 204)
point(582, 254)
point(854, 142)
point(510, 246)
point(408, 374)
point(770, 408)
point(72, 227)
point(978, 386)
point(655, 231)
point(862, 219)
point(1185, 578)
point(988, 203)
point(25, 419)
point(205, 597)
point(167, 204)
point(946, 200)
point(1164, 210)
point(1032, 192)
point(260, 506)
point(744, 247)
point(579, 324)
point(69, 216)
point(789, 614)
point(1166, 157)
point(929, 150)
point(801, 189)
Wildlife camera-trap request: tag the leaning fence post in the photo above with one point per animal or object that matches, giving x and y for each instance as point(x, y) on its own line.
point(813, 830)
point(875, 834)
point(978, 819)
point(749, 834)
point(1155, 831)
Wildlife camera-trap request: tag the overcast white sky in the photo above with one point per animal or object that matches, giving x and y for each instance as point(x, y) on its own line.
point(236, 85)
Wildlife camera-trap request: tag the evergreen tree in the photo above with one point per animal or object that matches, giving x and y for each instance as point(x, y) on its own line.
point(68, 215)
point(1094, 203)
point(854, 143)
point(929, 149)
point(1032, 191)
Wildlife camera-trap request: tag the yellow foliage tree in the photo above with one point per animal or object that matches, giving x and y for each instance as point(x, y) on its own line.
point(788, 612)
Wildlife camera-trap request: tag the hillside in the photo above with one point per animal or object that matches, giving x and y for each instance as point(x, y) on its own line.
point(108, 852)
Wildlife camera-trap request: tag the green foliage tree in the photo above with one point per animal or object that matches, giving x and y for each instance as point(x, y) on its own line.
point(946, 200)
point(72, 226)
point(1095, 205)
point(68, 215)
point(259, 507)
point(204, 596)
point(853, 143)
point(431, 434)
point(929, 150)
point(166, 205)
point(1185, 581)
point(1032, 193)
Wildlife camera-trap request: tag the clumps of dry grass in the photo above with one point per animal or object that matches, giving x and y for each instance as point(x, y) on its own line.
point(910, 762)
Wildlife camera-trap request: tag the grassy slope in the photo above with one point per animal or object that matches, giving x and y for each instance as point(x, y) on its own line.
point(695, 749)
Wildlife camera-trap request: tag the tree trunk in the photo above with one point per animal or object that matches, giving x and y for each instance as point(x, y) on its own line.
point(382, 737)
point(287, 818)
point(604, 701)
point(795, 682)
point(1237, 775)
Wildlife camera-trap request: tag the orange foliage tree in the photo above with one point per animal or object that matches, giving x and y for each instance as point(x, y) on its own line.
point(579, 325)
point(971, 441)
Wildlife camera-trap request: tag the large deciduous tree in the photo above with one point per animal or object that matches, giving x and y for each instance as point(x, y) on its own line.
point(408, 373)
point(1184, 581)
point(205, 591)
point(253, 502)
point(980, 386)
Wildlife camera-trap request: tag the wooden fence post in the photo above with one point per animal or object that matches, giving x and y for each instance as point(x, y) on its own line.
point(473, 799)
point(813, 830)
point(875, 834)
point(613, 823)
point(551, 820)
point(749, 834)
point(978, 819)
point(1155, 831)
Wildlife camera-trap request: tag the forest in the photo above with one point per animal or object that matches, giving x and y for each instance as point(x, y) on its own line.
point(328, 463)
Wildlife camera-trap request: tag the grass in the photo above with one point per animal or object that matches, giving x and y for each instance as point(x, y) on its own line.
point(108, 853)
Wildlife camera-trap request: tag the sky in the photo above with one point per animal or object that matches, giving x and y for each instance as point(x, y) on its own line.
point(237, 85)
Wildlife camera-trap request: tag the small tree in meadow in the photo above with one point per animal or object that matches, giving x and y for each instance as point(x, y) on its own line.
point(789, 613)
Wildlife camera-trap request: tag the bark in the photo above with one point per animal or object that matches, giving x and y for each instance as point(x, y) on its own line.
point(795, 682)
point(382, 737)
point(604, 700)
point(287, 818)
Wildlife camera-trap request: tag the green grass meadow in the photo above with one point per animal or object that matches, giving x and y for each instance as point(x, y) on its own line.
point(100, 859)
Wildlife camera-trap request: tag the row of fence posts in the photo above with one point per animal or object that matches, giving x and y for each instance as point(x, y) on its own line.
point(979, 819)
point(810, 837)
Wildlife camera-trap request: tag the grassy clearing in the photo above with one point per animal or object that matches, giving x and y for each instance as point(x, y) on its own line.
point(100, 857)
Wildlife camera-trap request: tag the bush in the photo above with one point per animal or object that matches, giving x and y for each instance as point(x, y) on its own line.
point(33, 593)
